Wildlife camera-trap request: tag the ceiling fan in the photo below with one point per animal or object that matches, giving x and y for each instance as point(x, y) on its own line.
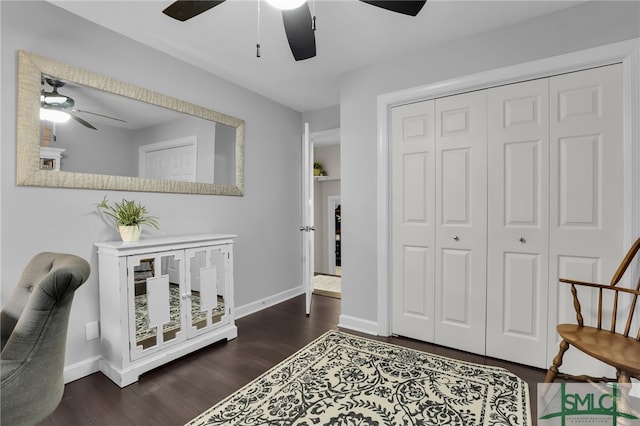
point(58, 107)
point(298, 23)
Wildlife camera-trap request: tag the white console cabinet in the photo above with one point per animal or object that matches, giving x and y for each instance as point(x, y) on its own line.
point(162, 298)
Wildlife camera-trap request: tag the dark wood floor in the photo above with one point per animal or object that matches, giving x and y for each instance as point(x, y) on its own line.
point(177, 392)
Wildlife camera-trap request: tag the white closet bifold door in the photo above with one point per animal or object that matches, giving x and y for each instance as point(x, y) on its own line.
point(413, 217)
point(496, 194)
point(461, 221)
point(586, 193)
point(518, 222)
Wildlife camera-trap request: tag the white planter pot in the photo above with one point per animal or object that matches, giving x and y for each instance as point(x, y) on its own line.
point(129, 234)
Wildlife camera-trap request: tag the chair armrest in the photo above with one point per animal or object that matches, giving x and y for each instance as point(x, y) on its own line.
point(9, 367)
point(610, 287)
point(576, 301)
point(584, 283)
point(601, 288)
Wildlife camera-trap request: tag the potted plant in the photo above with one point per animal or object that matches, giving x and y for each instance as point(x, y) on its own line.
point(129, 216)
point(317, 168)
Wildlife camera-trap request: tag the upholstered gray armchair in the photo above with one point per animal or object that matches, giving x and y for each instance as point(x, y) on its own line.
point(34, 332)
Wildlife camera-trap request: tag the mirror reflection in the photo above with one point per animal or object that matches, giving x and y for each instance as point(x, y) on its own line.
point(98, 132)
point(150, 297)
point(207, 288)
point(78, 129)
point(159, 302)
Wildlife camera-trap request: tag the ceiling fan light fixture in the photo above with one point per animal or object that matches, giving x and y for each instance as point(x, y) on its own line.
point(54, 99)
point(54, 115)
point(286, 4)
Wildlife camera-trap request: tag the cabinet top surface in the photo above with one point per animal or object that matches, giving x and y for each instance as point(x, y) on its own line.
point(177, 240)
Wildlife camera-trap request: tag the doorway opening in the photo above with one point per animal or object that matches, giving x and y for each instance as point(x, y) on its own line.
point(327, 262)
point(329, 283)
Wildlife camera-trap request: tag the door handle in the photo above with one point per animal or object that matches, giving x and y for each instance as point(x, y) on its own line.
point(307, 228)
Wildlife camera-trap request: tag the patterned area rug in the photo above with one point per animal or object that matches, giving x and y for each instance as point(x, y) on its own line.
point(341, 379)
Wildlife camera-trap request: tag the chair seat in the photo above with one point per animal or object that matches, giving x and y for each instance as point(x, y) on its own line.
point(614, 349)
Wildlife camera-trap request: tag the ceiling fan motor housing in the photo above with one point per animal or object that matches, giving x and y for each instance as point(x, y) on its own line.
point(298, 24)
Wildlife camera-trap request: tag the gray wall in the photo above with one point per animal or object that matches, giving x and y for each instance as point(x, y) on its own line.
point(322, 119)
point(587, 25)
point(267, 257)
point(108, 151)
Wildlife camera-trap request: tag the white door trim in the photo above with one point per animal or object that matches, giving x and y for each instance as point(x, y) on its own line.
point(333, 201)
point(191, 140)
point(626, 52)
point(307, 227)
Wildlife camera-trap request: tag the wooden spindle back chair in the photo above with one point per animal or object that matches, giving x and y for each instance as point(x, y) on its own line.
point(611, 345)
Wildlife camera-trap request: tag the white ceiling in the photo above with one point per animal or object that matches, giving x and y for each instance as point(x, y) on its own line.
point(350, 34)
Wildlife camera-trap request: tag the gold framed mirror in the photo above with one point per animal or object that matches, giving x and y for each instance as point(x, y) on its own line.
point(221, 143)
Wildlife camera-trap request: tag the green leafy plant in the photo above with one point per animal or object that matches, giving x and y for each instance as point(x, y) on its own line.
point(317, 165)
point(128, 213)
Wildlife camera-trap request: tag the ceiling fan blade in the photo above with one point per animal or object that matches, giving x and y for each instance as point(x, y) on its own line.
point(299, 29)
point(411, 8)
point(186, 9)
point(99, 115)
point(80, 120)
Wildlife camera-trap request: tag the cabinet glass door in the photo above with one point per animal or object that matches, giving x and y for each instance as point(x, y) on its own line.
point(156, 286)
point(207, 286)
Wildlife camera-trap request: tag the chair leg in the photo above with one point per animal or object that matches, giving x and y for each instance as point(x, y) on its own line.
point(623, 376)
point(624, 387)
point(557, 362)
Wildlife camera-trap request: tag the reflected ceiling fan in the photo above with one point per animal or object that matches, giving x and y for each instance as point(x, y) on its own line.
point(298, 23)
point(57, 107)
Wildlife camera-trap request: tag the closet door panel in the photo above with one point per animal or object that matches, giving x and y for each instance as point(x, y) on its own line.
point(586, 188)
point(461, 214)
point(413, 212)
point(521, 198)
point(456, 295)
point(518, 222)
point(522, 272)
point(579, 177)
point(455, 177)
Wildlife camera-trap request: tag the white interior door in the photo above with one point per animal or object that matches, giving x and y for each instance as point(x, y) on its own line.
point(172, 160)
point(518, 223)
point(413, 219)
point(307, 228)
point(586, 194)
point(461, 221)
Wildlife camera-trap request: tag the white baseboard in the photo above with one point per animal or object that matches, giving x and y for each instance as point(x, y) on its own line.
point(358, 324)
point(91, 365)
point(259, 305)
point(81, 369)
